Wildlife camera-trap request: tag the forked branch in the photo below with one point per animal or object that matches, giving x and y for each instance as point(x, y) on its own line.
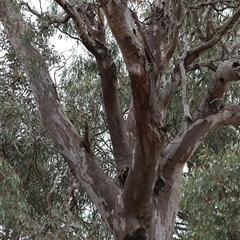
point(196, 51)
point(210, 114)
point(94, 40)
point(141, 177)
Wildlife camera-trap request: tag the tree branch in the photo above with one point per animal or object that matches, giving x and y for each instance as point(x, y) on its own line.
point(213, 102)
point(93, 46)
point(195, 52)
point(181, 148)
point(211, 114)
point(198, 65)
point(174, 81)
point(83, 164)
point(192, 54)
point(180, 13)
point(96, 44)
point(114, 116)
point(198, 24)
point(143, 75)
point(55, 184)
point(186, 110)
point(33, 226)
point(60, 18)
point(33, 11)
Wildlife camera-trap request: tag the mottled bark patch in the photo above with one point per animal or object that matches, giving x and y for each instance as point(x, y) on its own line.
point(138, 234)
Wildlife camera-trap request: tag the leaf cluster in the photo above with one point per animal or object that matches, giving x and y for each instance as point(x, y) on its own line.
point(211, 196)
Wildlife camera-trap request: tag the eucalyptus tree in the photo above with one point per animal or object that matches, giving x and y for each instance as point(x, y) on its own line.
point(165, 45)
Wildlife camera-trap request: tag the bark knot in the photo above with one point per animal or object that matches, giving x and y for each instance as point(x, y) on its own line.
point(221, 80)
point(123, 175)
point(158, 186)
point(113, 71)
point(138, 234)
point(235, 64)
point(127, 38)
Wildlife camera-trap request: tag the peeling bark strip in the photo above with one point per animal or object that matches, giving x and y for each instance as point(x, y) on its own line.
point(149, 167)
